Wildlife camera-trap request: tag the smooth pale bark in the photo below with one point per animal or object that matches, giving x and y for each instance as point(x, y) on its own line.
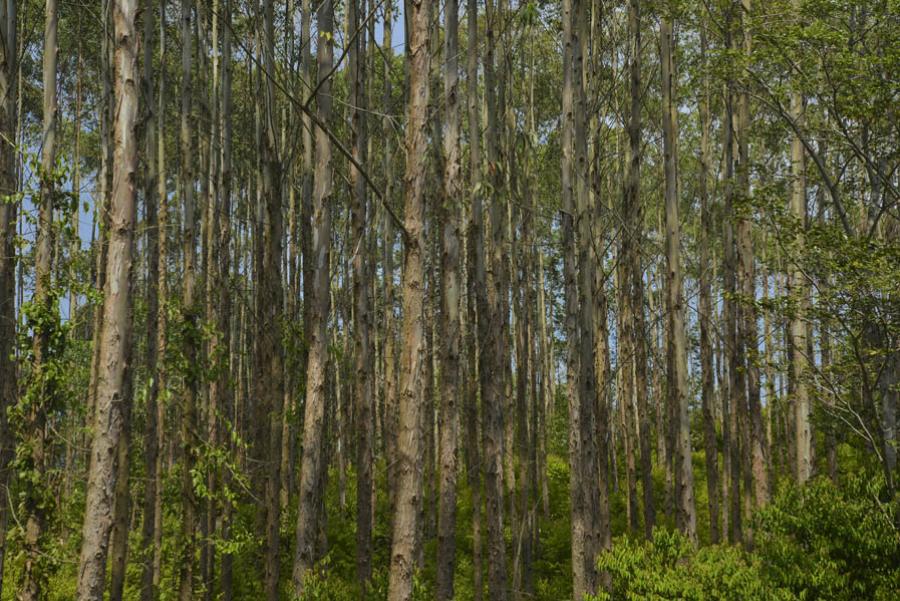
point(115, 337)
point(708, 389)
point(412, 368)
point(450, 307)
point(313, 463)
point(686, 514)
point(8, 210)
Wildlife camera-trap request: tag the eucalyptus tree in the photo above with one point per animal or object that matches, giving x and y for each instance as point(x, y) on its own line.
point(112, 389)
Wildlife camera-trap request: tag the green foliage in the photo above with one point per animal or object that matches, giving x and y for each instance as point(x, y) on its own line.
point(818, 542)
point(828, 542)
point(668, 567)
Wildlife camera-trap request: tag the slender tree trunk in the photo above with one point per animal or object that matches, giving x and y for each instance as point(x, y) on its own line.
point(363, 350)
point(150, 183)
point(214, 269)
point(390, 348)
point(189, 317)
point(583, 478)
point(75, 241)
point(101, 210)
point(587, 266)
point(313, 459)
point(8, 186)
point(412, 369)
point(548, 388)
point(746, 281)
point(797, 292)
point(121, 499)
point(634, 278)
point(686, 513)
point(225, 300)
point(450, 306)
point(582, 569)
point(270, 311)
point(708, 389)
point(492, 336)
point(111, 403)
point(152, 572)
point(474, 298)
point(33, 576)
point(735, 400)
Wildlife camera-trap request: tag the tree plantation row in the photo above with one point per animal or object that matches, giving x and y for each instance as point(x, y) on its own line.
point(462, 300)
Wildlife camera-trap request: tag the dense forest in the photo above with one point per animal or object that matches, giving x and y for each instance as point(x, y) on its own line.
point(485, 300)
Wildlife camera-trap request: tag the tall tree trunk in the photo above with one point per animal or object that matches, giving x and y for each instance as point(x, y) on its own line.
point(111, 402)
point(797, 292)
point(121, 499)
point(582, 569)
point(214, 269)
point(412, 368)
point(686, 513)
point(225, 301)
point(492, 332)
point(270, 312)
point(746, 281)
point(474, 297)
point(33, 576)
point(586, 263)
point(735, 399)
point(101, 210)
point(8, 210)
point(390, 347)
point(450, 306)
point(151, 434)
point(152, 530)
point(313, 463)
point(634, 281)
point(363, 350)
point(583, 477)
point(189, 317)
point(708, 389)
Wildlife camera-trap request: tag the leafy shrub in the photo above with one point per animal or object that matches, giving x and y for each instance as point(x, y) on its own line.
point(668, 567)
point(827, 542)
point(818, 542)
